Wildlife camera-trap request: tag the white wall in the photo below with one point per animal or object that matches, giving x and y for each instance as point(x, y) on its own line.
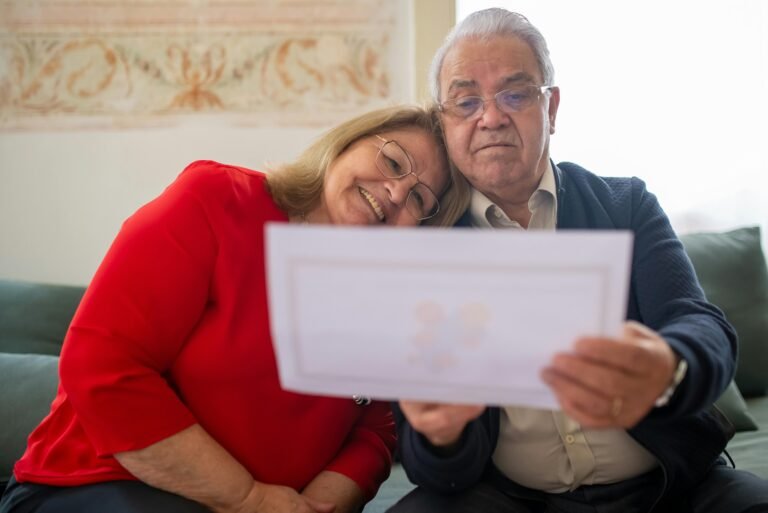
point(671, 91)
point(65, 193)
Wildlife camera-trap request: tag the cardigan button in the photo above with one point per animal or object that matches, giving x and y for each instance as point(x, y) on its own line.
point(361, 400)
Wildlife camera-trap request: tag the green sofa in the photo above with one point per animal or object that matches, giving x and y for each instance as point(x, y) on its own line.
point(731, 266)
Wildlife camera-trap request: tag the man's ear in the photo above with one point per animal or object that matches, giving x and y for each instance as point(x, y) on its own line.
point(554, 103)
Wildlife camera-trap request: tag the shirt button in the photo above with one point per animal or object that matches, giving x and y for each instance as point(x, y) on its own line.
point(570, 439)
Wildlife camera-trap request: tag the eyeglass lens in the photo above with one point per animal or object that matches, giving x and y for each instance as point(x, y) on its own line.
point(393, 162)
point(509, 100)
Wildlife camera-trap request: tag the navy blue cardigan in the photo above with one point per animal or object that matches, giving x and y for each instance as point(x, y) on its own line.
point(686, 436)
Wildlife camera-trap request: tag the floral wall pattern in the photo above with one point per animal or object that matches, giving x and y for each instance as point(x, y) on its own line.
point(67, 63)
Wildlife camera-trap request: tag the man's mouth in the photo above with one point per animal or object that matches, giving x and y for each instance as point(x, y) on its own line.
point(495, 145)
point(373, 203)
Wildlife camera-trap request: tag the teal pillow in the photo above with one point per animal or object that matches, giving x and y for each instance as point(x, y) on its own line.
point(732, 405)
point(27, 386)
point(732, 270)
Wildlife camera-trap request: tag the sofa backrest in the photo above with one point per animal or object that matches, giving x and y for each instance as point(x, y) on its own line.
point(732, 270)
point(34, 317)
point(27, 386)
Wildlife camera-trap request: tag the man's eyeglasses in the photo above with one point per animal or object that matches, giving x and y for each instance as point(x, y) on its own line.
point(394, 162)
point(508, 101)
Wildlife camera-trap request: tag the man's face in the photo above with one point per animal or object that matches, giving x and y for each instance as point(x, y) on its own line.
point(502, 154)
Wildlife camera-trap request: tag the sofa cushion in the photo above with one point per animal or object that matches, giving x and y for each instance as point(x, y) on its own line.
point(34, 317)
point(28, 384)
point(750, 450)
point(732, 270)
point(733, 406)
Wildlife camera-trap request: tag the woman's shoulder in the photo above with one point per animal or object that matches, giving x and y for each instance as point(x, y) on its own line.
point(227, 189)
point(210, 179)
point(211, 172)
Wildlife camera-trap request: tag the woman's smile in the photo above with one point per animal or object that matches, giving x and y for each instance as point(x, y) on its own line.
point(375, 205)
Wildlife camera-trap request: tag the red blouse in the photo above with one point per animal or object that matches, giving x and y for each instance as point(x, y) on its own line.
point(174, 330)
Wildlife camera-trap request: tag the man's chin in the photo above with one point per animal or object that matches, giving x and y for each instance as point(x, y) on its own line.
point(490, 176)
point(497, 162)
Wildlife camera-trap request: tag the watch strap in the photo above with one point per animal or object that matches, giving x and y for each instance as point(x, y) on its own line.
point(677, 378)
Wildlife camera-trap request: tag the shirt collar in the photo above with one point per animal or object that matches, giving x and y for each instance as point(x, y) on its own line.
point(484, 213)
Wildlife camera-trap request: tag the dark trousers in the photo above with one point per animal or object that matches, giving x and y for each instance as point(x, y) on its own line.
point(110, 496)
point(724, 491)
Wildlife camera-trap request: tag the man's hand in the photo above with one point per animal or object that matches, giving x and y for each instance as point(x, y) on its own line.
point(441, 424)
point(612, 383)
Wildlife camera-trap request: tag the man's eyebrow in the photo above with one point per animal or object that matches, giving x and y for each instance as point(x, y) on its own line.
point(461, 84)
point(517, 78)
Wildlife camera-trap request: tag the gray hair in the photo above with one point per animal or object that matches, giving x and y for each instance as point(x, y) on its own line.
point(490, 23)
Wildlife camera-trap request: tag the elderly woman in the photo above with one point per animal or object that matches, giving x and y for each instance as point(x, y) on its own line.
point(169, 398)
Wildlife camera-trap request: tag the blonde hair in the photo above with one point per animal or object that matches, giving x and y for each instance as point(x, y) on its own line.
point(296, 187)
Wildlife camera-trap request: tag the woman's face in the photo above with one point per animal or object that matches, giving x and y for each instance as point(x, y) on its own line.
point(357, 193)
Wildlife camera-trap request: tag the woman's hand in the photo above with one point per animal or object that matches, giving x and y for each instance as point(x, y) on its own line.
point(264, 498)
point(329, 487)
point(193, 465)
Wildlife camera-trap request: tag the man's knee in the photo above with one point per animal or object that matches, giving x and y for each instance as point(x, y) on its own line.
point(732, 490)
point(481, 498)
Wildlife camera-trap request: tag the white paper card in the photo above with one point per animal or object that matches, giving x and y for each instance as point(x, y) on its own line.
point(457, 315)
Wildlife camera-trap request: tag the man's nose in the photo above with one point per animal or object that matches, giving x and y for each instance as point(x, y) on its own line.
point(493, 117)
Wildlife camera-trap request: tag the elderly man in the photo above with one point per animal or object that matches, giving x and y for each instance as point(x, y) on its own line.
point(635, 432)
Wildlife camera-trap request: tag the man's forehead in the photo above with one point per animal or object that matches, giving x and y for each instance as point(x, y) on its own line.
point(504, 60)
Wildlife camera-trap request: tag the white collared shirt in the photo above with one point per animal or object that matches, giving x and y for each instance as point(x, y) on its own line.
point(547, 450)
point(542, 205)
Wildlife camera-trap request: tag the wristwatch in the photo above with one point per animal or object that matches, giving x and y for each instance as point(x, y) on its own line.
point(677, 378)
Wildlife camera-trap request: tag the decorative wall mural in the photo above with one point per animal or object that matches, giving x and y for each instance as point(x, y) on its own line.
point(65, 63)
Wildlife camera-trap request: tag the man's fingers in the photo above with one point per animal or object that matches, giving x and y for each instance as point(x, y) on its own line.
point(588, 401)
point(631, 356)
point(590, 374)
point(636, 352)
point(576, 412)
point(592, 410)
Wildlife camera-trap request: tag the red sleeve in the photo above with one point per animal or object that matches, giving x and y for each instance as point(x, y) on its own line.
point(148, 294)
point(366, 458)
